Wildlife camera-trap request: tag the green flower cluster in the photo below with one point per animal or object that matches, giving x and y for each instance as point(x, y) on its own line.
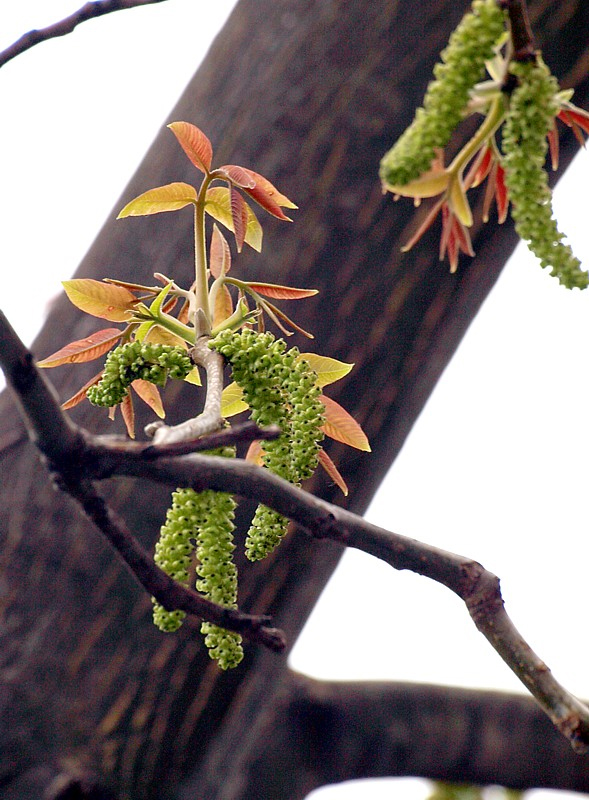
point(128, 362)
point(280, 388)
point(201, 521)
point(463, 64)
point(532, 109)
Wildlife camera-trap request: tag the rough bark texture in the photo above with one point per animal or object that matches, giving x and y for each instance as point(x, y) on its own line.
point(310, 94)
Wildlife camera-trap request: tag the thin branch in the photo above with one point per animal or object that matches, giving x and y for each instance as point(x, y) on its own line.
point(467, 578)
point(521, 31)
point(478, 587)
point(67, 453)
point(98, 8)
point(171, 594)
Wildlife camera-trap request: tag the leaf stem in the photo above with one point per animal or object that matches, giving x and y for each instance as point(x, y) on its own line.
point(202, 320)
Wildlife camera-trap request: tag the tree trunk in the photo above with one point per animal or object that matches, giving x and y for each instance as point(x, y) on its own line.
point(310, 94)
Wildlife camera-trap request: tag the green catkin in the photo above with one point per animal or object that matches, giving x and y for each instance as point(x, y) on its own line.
point(128, 362)
point(532, 109)
point(280, 388)
point(202, 521)
point(462, 65)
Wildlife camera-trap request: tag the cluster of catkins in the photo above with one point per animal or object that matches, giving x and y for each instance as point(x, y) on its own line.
point(462, 65)
point(280, 388)
point(531, 108)
point(137, 360)
point(202, 523)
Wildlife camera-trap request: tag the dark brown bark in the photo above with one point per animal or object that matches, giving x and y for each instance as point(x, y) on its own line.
point(311, 94)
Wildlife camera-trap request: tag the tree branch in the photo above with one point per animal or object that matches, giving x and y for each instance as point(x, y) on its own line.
point(321, 732)
point(467, 578)
point(98, 8)
point(68, 452)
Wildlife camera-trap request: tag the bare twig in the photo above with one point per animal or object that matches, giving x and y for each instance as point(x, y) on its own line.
point(521, 30)
point(98, 8)
point(89, 456)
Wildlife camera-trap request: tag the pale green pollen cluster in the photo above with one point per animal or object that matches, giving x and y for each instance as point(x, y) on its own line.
point(462, 66)
point(280, 388)
point(202, 521)
point(532, 109)
point(128, 362)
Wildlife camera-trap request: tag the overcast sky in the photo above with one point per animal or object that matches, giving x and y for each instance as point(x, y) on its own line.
point(501, 450)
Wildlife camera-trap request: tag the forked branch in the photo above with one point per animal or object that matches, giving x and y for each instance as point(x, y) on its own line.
point(72, 452)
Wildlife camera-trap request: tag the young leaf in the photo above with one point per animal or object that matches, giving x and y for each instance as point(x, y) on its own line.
point(193, 377)
point(80, 395)
point(342, 427)
point(238, 176)
point(332, 471)
point(264, 193)
point(223, 306)
point(218, 205)
point(104, 300)
point(329, 370)
point(255, 453)
point(150, 395)
point(279, 292)
point(232, 401)
point(170, 197)
point(220, 258)
point(195, 144)
point(159, 335)
point(128, 413)
point(238, 216)
point(82, 350)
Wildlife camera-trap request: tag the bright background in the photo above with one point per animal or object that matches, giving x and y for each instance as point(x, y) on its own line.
point(496, 467)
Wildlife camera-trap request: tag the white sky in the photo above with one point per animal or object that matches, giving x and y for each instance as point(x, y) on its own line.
point(501, 451)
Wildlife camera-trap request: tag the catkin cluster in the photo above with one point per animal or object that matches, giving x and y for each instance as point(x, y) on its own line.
point(280, 388)
point(128, 362)
point(532, 109)
point(201, 521)
point(462, 65)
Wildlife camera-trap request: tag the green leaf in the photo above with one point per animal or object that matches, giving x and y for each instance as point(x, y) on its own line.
point(104, 300)
point(193, 377)
point(218, 205)
point(232, 401)
point(170, 197)
point(329, 370)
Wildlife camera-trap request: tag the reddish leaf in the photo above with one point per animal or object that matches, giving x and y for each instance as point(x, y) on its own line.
point(341, 426)
point(332, 471)
point(195, 144)
point(128, 413)
point(220, 258)
point(238, 175)
point(84, 349)
point(150, 395)
point(238, 217)
point(170, 197)
point(104, 300)
point(501, 195)
point(80, 395)
point(281, 292)
point(267, 195)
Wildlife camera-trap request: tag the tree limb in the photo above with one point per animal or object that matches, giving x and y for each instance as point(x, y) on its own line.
point(322, 731)
point(98, 8)
point(467, 578)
